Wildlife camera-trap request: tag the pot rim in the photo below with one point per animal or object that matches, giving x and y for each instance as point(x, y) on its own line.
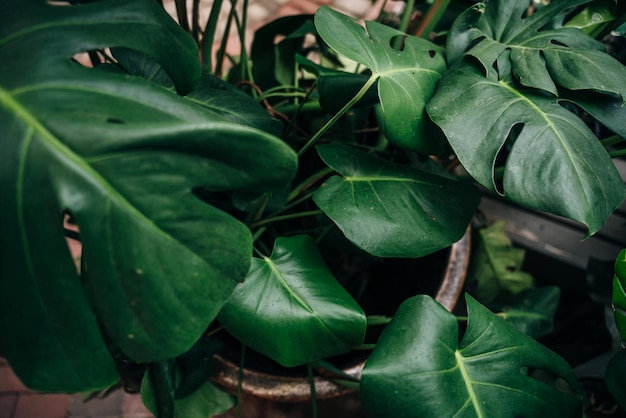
point(227, 374)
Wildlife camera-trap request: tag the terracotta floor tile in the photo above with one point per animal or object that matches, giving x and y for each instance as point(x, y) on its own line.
point(42, 406)
point(8, 404)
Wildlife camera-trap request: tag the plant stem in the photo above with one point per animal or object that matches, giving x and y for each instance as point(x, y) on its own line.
point(618, 153)
point(406, 17)
point(365, 347)
point(370, 82)
point(612, 140)
point(309, 369)
point(427, 25)
point(373, 320)
point(286, 217)
point(308, 183)
point(209, 36)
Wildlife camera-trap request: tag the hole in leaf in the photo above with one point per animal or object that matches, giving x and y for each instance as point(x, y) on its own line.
point(555, 42)
point(72, 238)
point(550, 379)
point(432, 53)
point(503, 155)
point(116, 121)
point(474, 43)
point(397, 42)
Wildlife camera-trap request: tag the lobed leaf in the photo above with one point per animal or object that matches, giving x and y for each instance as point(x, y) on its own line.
point(406, 76)
point(491, 122)
point(419, 368)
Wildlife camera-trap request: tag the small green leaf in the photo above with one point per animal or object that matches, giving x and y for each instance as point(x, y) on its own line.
point(391, 210)
point(614, 377)
point(530, 311)
point(406, 77)
point(292, 309)
point(419, 368)
point(496, 266)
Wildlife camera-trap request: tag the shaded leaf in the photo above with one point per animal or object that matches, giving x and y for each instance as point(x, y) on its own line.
point(292, 309)
point(391, 210)
point(406, 78)
point(530, 311)
point(539, 142)
point(496, 265)
point(205, 401)
point(419, 368)
point(619, 294)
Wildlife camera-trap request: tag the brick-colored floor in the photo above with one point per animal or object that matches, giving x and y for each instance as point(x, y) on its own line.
point(16, 401)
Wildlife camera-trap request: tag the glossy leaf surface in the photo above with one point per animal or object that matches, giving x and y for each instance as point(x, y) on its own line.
point(292, 309)
point(123, 156)
point(487, 120)
point(419, 368)
point(406, 77)
point(391, 210)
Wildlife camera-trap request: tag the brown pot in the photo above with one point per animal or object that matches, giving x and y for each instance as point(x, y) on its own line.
point(273, 396)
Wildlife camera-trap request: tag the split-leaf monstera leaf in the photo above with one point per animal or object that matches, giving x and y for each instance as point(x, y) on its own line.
point(419, 368)
point(503, 108)
point(406, 74)
point(122, 155)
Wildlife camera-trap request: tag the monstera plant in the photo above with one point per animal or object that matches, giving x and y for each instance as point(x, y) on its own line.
point(211, 203)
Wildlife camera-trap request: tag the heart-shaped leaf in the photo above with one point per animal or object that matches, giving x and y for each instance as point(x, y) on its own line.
point(419, 368)
point(391, 210)
point(123, 156)
point(488, 120)
point(406, 76)
point(292, 309)
point(541, 57)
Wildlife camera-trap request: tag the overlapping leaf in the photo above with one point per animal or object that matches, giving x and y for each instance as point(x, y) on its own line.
point(391, 210)
point(123, 156)
point(541, 57)
point(419, 368)
point(292, 309)
point(406, 76)
point(486, 119)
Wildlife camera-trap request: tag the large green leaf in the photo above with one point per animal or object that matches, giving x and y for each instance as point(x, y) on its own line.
point(292, 309)
point(123, 156)
point(406, 77)
point(391, 210)
point(419, 368)
point(553, 161)
point(541, 57)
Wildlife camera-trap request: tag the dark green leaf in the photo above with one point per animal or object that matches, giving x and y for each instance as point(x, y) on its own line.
point(530, 311)
point(614, 377)
point(418, 368)
point(406, 77)
point(487, 119)
point(123, 156)
point(205, 401)
point(391, 210)
point(619, 293)
point(292, 309)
